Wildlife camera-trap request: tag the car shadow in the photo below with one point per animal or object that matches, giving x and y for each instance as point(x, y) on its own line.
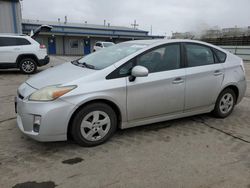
point(12, 71)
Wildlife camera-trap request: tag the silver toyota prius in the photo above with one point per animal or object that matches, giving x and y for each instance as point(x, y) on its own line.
point(126, 85)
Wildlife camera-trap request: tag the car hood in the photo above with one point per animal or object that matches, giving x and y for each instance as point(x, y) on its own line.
point(61, 74)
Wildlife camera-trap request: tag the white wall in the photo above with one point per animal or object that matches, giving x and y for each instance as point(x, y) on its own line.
point(6, 17)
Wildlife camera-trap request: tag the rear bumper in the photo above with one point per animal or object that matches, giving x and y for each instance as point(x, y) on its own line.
point(42, 62)
point(242, 86)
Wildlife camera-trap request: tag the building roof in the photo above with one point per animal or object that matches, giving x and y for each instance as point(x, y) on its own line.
point(81, 25)
point(88, 30)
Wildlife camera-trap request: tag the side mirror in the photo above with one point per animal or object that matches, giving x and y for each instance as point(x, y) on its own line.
point(138, 71)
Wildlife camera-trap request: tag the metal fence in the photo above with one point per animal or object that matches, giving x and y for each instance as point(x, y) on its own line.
point(241, 51)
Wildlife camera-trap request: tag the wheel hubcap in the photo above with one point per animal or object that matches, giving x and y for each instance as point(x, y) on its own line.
point(226, 103)
point(28, 66)
point(95, 125)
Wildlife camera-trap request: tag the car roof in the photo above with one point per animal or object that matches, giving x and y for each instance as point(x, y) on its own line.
point(159, 41)
point(156, 42)
point(103, 42)
point(13, 35)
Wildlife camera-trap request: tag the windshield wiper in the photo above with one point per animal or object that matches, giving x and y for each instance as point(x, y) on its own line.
point(77, 63)
point(88, 65)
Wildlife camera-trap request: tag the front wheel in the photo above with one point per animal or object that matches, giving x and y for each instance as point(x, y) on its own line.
point(28, 66)
point(94, 124)
point(225, 103)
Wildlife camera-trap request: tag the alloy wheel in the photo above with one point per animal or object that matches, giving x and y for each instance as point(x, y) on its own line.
point(95, 125)
point(226, 103)
point(28, 66)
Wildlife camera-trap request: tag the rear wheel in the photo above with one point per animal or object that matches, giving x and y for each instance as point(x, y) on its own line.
point(28, 66)
point(94, 124)
point(225, 103)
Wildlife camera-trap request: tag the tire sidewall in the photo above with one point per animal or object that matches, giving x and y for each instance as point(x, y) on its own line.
point(217, 111)
point(76, 124)
point(31, 60)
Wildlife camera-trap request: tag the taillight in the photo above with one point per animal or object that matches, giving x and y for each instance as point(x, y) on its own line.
point(42, 46)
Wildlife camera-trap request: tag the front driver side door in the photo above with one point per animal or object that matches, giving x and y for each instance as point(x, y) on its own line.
point(162, 91)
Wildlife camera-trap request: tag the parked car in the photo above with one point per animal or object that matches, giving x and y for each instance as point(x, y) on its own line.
point(23, 52)
point(129, 84)
point(100, 45)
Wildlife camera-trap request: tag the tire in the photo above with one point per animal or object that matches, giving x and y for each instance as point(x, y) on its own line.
point(28, 66)
point(225, 103)
point(93, 124)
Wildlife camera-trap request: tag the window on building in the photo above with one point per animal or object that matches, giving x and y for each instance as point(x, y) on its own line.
point(199, 55)
point(74, 43)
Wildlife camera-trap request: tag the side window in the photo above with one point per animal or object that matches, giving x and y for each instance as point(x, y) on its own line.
point(221, 55)
point(7, 41)
point(21, 42)
point(199, 55)
point(98, 44)
point(161, 59)
point(1, 41)
point(126, 69)
point(122, 71)
point(11, 41)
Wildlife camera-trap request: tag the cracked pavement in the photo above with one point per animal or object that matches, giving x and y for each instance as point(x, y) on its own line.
point(199, 151)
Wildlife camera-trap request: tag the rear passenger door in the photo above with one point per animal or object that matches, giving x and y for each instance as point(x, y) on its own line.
point(203, 76)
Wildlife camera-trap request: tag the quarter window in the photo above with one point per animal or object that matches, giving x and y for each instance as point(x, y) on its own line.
point(221, 55)
point(199, 55)
point(161, 59)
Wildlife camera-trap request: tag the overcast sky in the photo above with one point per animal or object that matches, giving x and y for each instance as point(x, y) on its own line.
point(165, 16)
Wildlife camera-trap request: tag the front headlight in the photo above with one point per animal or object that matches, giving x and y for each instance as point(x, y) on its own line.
point(50, 93)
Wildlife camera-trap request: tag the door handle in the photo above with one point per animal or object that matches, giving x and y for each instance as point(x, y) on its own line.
point(217, 73)
point(178, 80)
point(17, 48)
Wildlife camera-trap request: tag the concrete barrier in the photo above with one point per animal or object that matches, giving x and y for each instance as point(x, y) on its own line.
point(241, 51)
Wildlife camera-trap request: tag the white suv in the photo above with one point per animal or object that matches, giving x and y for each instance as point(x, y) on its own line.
point(23, 52)
point(100, 45)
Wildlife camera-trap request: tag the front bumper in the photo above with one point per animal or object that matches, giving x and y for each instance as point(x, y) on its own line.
point(42, 62)
point(54, 116)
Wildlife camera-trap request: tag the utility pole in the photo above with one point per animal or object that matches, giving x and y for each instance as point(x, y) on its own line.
point(134, 24)
point(65, 20)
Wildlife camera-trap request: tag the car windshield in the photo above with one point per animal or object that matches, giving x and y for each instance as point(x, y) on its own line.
point(108, 56)
point(107, 44)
